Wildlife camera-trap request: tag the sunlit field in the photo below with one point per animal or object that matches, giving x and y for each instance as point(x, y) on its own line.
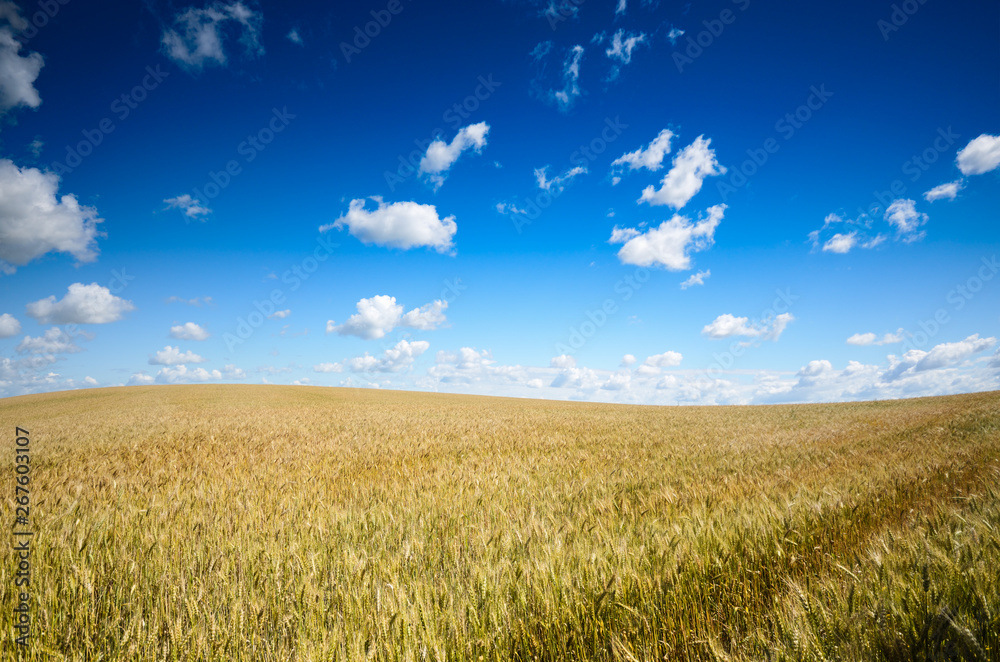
point(301, 523)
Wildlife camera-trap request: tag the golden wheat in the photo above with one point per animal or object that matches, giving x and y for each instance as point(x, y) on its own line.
point(298, 523)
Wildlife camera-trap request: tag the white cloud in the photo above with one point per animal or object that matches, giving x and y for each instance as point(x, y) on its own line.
point(196, 302)
point(428, 317)
point(395, 359)
point(841, 243)
point(628, 360)
point(280, 314)
point(181, 374)
point(569, 76)
point(665, 360)
point(380, 314)
point(944, 191)
point(649, 157)
point(294, 36)
point(173, 356)
point(17, 72)
point(90, 381)
point(535, 383)
point(902, 215)
point(441, 156)
point(618, 381)
point(690, 167)
point(622, 45)
point(83, 304)
point(401, 225)
point(328, 367)
point(980, 156)
point(229, 371)
point(671, 243)
point(726, 326)
point(191, 207)
point(9, 326)
point(945, 355)
point(696, 279)
point(34, 221)
point(620, 9)
point(556, 184)
point(563, 361)
point(854, 234)
point(54, 341)
point(864, 339)
point(189, 331)
point(140, 379)
point(674, 34)
point(199, 35)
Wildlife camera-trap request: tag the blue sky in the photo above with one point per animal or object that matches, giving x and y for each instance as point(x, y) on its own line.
point(627, 201)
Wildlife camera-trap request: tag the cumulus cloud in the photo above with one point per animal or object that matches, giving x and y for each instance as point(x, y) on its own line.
point(980, 156)
point(53, 341)
point(690, 167)
point(173, 356)
point(280, 314)
point(941, 356)
point(841, 243)
point(903, 215)
point(17, 72)
point(189, 331)
point(396, 359)
point(328, 367)
point(9, 326)
point(864, 339)
point(696, 279)
point(665, 360)
point(191, 207)
point(727, 326)
point(946, 191)
point(83, 304)
point(182, 374)
point(140, 379)
point(441, 156)
point(563, 361)
point(34, 220)
point(380, 314)
point(199, 36)
point(558, 183)
point(649, 157)
point(670, 244)
point(402, 225)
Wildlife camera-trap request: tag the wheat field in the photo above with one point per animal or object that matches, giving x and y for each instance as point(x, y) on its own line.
point(300, 523)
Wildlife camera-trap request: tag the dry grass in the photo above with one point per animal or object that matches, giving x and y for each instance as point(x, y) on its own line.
point(297, 523)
